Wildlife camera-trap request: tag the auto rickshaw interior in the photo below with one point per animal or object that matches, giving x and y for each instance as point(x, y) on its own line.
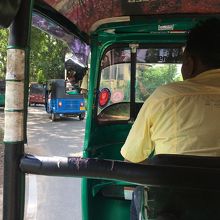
point(135, 57)
point(136, 46)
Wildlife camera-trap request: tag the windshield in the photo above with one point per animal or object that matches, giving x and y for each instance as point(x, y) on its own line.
point(153, 67)
point(37, 89)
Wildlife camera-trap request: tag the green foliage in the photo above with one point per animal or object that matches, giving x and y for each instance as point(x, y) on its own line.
point(40, 77)
point(3, 52)
point(47, 56)
point(148, 79)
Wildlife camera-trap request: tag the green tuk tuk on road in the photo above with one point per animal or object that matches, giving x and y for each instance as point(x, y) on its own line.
point(135, 47)
point(2, 93)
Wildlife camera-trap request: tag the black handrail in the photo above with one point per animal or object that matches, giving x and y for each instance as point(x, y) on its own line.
point(151, 175)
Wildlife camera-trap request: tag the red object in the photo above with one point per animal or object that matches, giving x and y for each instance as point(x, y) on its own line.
point(104, 97)
point(36, 99)
point(36, 94)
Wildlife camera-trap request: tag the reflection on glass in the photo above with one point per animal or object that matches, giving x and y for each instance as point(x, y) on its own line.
point(116, 56)
point(160, 55)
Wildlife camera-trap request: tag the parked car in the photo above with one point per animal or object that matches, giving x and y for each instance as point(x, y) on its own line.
point(36, 94)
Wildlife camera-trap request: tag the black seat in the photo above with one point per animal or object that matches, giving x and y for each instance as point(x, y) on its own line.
point(185, 160)
point(186, 203)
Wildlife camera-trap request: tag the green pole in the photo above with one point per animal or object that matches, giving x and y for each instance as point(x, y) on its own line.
point(16, 112)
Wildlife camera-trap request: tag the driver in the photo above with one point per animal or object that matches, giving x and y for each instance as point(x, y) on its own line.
point(183, 117)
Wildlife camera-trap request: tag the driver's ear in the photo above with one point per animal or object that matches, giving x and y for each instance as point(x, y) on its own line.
point(188, 67)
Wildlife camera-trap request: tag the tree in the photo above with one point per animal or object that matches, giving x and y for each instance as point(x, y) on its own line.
point(3, 52)
point(47, 56)
point(148, 79)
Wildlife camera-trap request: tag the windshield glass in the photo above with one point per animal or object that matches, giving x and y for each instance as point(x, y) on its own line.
point(153, 67)
point(37, 89)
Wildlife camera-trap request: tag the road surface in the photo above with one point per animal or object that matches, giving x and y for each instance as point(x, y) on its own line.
point(53, 198)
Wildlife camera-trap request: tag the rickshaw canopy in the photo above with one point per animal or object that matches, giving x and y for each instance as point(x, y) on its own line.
point(85, 14)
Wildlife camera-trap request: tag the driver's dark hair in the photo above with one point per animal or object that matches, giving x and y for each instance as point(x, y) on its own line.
point(203, 41)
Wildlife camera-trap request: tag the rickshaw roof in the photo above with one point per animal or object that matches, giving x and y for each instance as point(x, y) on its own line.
point(84, 14)
point(82, 18)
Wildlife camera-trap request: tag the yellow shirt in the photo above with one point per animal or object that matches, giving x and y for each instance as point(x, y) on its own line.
point(178, 118)
point(84, 84)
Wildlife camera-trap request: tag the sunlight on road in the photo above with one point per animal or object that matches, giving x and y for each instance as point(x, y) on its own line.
point(58, 196)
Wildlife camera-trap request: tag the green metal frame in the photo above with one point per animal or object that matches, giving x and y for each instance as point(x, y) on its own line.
point(2, 99)
point(104, 141)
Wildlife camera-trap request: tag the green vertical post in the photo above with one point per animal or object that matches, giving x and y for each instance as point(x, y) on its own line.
point(16, 112)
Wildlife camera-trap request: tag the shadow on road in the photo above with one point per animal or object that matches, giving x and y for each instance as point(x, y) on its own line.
point(46, 197)
point(61, 138)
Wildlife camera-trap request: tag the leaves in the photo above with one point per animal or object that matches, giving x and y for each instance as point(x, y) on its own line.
point(3, 52)
point(47, 55)
point(148, 79)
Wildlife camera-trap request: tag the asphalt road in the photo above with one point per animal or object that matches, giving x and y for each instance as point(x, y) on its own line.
point(53, 198)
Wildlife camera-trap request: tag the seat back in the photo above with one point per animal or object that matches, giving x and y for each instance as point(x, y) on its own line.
point(185, 204)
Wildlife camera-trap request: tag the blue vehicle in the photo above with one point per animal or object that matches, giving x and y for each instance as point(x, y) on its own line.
point(61, 102)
